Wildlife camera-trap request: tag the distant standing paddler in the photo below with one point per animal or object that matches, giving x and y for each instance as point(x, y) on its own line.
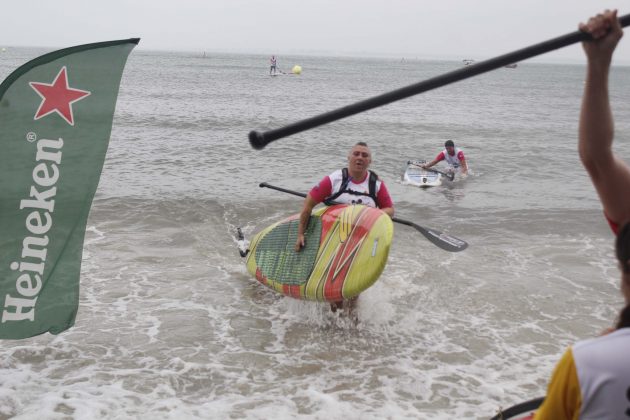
point(273, 62)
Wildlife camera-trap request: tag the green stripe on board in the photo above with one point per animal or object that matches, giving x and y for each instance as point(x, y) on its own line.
point(276, 256)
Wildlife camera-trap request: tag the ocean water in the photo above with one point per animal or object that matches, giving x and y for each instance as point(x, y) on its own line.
point(171, 326)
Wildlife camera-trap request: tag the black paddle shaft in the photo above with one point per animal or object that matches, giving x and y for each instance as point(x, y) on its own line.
point(259, 140)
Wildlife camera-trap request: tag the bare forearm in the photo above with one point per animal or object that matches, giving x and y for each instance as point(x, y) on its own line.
point(464, 167)
point(609, 173)
point(596, 130)
point(305, 215)
point(596, 122)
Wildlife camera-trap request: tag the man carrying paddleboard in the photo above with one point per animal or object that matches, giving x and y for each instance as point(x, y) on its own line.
point(355, 184)
point(452, 155)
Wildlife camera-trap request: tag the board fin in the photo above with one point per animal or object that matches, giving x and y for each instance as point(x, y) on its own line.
point(242, 243)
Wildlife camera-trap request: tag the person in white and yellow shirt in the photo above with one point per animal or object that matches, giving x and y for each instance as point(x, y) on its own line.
point(592, 380)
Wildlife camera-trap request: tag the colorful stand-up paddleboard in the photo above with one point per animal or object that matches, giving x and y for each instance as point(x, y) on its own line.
point(345, 252)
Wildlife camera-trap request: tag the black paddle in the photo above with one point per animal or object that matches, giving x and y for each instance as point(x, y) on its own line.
point(519, 409)
point(449, 175)
point(259, 140)
point(442, 240)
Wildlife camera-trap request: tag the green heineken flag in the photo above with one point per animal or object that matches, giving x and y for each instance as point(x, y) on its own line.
point(56, 116)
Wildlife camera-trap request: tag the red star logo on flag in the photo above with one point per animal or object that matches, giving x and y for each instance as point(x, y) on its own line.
point(58, 97)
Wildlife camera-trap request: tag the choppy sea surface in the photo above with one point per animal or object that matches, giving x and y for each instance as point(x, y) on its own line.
point(170, 324)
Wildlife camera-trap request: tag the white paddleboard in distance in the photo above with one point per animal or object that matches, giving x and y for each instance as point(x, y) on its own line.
point(420, 177)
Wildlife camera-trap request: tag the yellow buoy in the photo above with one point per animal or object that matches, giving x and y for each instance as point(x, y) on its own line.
point(296, 69)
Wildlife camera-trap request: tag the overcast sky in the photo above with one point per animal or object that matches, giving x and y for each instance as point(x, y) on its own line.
point(405, 28)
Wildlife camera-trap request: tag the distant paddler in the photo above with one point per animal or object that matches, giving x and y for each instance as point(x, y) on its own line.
point(355, 184)
point(273, 62)
point(453, 156)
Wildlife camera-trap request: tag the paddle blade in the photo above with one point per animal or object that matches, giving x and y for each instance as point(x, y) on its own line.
point(446, 242)
point(521, 411)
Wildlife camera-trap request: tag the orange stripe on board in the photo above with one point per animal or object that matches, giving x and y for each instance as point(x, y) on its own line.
point(338, 270)
point(261, 277)
point(292, 290)
point(328, 219)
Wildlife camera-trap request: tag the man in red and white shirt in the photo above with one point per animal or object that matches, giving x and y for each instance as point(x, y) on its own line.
point(453, 156)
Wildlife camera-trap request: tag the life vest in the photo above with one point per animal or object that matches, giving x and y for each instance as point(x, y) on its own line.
point(452, 160)
point(364, 193)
